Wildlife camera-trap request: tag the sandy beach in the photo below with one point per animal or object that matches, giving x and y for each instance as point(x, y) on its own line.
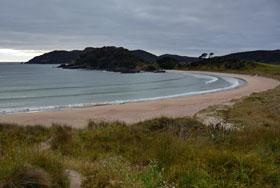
point(139, 111)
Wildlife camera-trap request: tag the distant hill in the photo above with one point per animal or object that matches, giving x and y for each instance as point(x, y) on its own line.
point(124, 60)
point(178, 58)
point(115, 59)
point(66, 57)
point(146, 56)
point(56, 57)
point(262, 56)
point(221, 64)
point(234, 65)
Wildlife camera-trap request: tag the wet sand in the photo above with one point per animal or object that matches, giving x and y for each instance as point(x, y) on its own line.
point(139, 111)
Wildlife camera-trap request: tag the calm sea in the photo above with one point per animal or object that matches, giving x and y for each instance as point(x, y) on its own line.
point(26, 88)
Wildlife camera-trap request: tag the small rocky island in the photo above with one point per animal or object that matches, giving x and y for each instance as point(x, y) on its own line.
point(111, 59)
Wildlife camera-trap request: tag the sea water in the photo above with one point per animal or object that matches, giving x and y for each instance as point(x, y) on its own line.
point(31, 88)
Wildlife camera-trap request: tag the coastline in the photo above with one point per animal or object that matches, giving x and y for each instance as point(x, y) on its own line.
point(234, 83)
point(142, 110)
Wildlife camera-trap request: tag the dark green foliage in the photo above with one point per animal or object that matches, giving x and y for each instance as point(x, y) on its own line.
point(178, 58)
point(62, 139)
point(231, 65)
point(195, 178)
point(262, 56)
point(107, 58)
point(27, 167)
point(28, 177)
point(167, 63)
point(221, 63)
point(15, 136)
point(150, 68)
point(203, 56)
point(144, 55)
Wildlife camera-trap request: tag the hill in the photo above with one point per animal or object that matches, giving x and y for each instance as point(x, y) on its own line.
point(262, 56)
point(185, 59)
point(233, 65)
point(222, 63)
point(146, 56)
point(115, 59)
point(124, 60)
point(67, 57)
point(56, 57)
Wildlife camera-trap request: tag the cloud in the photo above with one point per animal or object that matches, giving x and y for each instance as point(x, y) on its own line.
point(11, 55)
point(180, 26)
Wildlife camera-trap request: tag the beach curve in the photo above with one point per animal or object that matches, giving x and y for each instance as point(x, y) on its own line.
point(138, 111)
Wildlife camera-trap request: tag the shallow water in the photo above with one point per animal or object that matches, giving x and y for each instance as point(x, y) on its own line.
point(25, 88)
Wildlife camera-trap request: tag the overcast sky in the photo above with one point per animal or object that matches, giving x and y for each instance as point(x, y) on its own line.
point(186, 27)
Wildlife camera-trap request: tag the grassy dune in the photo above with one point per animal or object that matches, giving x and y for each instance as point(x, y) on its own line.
point(242, 67)
point(162, 152)
point(157, 153)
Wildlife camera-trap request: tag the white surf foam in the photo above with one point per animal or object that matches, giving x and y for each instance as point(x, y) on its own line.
point(210, 79)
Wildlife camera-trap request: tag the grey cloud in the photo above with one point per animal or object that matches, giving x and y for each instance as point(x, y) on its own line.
point(178, 26)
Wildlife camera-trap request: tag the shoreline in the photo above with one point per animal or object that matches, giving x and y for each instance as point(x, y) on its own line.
point(234, 85)
point(132, 112)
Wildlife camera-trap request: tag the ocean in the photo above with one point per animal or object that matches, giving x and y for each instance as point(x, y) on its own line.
point(32, 88)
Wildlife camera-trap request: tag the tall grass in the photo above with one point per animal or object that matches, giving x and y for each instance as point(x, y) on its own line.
point(162, 152)
point(27, 167)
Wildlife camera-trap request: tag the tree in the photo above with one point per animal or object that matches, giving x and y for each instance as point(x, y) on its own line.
point(203, 56)
point(211, 54)
point(167, 63)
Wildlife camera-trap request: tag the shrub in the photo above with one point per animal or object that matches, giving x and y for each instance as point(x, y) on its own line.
point(23, 167)
point(62, 139)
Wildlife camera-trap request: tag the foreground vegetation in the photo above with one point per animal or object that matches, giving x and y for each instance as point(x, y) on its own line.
point(157, 153)
point(163, 152)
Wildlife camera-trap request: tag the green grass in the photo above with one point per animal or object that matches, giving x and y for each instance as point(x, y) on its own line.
point(252, 68)
point(162, 152)
point(257, 110)
point(22, 164)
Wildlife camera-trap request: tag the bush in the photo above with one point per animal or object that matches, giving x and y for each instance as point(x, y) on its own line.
point(22, 167)
point(167, 63)
point(62, 139)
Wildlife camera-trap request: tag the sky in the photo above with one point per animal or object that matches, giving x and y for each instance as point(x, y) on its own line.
point(185, 27)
